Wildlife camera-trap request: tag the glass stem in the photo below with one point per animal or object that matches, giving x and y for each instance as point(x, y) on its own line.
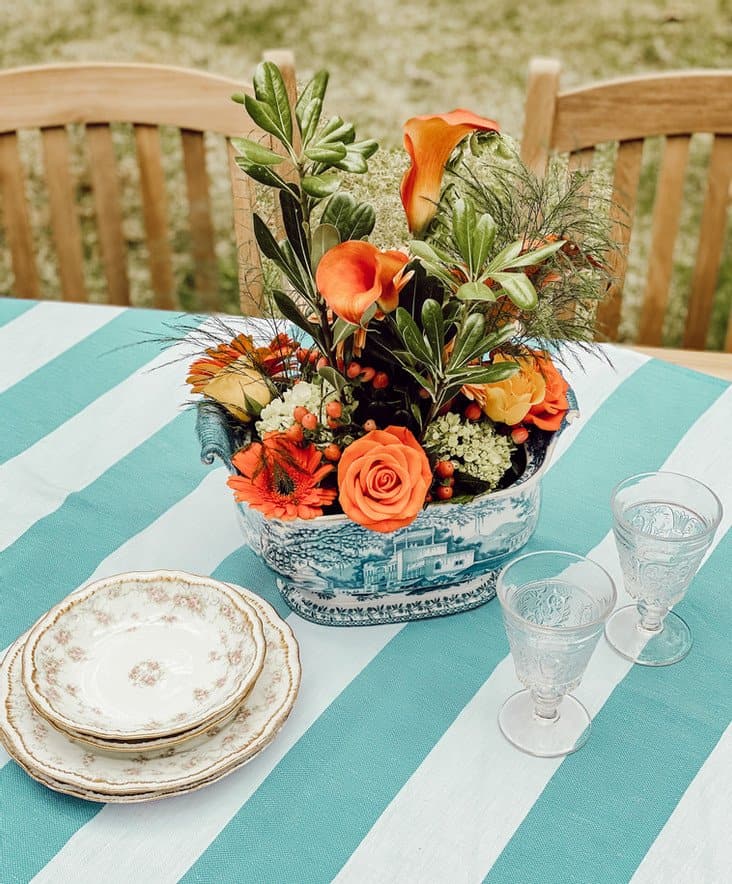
point(546, 705)
point(651, 617)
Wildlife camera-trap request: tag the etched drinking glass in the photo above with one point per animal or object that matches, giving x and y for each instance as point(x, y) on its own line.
point(663, 524)
point(554, 606)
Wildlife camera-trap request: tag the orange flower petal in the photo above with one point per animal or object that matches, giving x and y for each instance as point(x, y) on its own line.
point(429, 141)
point(348, 277)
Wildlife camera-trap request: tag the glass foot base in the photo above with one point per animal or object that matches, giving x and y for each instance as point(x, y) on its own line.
point(546, 739)
point(671, 644)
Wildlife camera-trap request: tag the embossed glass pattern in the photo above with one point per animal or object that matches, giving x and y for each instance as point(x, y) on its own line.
point(554, 605)
point(663, 524)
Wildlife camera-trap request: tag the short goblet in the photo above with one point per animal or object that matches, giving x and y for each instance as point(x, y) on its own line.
point(554, 606)
point(663, 524)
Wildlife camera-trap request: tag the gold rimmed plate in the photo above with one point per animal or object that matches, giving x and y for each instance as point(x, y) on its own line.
point(52, 757)
point(143, 656)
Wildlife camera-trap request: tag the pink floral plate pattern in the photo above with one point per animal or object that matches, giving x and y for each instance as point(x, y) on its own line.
point(59, 762)
point(143, 656)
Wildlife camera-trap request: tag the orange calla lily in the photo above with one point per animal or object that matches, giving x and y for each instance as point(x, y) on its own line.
point(355, 274)
point(429, 141)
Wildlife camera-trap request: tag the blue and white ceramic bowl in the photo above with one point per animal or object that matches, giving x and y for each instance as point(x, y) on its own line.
point(333, 571)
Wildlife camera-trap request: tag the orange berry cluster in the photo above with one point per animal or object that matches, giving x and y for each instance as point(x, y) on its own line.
point(308, 420)
point(379, 380)
point(444, 474)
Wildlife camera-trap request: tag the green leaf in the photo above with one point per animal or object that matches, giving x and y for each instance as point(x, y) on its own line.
point(489, 374)
point(314, 91)
point(256, 153)
point(421, 380)
point(263, 174)
point(505, 333)
point(504, 258)
point(417, 414)
point(292, 218)
point(366, 148)
point(238, 97)
point(269, 87)
point(342, 330)
point(330, 154)
point(537, 256)
point(423, 251)
point(464, 221)
point(310, 120)
point(292, 312)
point(353, 220)
point(469, 336)
point(324, 237)
point(519, 289)
point(437, 253)
point(434, 328)
point(357, 155)
point(368, 314)
point(353, 162)
point(412, 337)
point(267, 243)
point(336, 130)
point(483, 237)
point(475, 291)
point(481, 374)
point(297, 272)
point(320, 186)
point(264, 117)
point(334, 378)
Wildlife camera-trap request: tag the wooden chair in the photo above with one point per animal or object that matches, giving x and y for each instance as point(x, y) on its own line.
point(627, 111)
point(51, 97)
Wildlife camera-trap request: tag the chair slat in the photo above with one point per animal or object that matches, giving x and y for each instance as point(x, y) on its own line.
point(15, 215)
point(108, 209)
point(251, 283)
point(666, 212)
point(711, 242)
point(581, 160)
point(154, 210)
point(199, 206)
point(622, 212)
point(541, 104)
point(64, 217)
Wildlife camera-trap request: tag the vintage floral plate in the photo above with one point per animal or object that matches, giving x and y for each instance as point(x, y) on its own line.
point(59, 762)
point(143, 656)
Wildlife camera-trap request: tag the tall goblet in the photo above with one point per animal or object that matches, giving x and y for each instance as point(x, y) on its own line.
point(663, 524)
point(554, 606)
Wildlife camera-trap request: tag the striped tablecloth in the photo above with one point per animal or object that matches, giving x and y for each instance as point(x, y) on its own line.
point(391, 767)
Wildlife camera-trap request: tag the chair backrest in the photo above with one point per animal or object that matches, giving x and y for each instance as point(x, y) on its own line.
point(52, 97)
point(626, 112)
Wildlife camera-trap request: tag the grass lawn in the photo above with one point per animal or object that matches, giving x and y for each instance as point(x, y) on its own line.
point(388, 60)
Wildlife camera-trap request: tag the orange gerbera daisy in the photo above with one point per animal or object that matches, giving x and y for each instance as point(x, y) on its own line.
point(269, 360)
point(280, 478)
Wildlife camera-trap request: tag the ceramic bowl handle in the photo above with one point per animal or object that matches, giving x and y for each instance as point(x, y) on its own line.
point(216, 434)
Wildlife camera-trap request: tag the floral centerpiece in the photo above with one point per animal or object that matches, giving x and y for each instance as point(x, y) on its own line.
point(396, 425)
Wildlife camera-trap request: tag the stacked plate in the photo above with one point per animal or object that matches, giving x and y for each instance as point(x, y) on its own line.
point(146, 685)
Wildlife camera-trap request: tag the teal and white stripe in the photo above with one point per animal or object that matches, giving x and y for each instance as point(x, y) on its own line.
point(391, 767)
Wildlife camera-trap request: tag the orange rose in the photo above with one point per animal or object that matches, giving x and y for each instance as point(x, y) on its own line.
point(383, 479)
point(429, 141)
point(549, 413)
point(355, 274)
point(509, 401)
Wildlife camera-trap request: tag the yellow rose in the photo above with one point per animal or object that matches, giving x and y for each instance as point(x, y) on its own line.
point(235, 384)
point(509, 401)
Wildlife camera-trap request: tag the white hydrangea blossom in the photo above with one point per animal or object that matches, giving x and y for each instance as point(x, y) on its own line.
point(277, 415)
point(474, 447)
